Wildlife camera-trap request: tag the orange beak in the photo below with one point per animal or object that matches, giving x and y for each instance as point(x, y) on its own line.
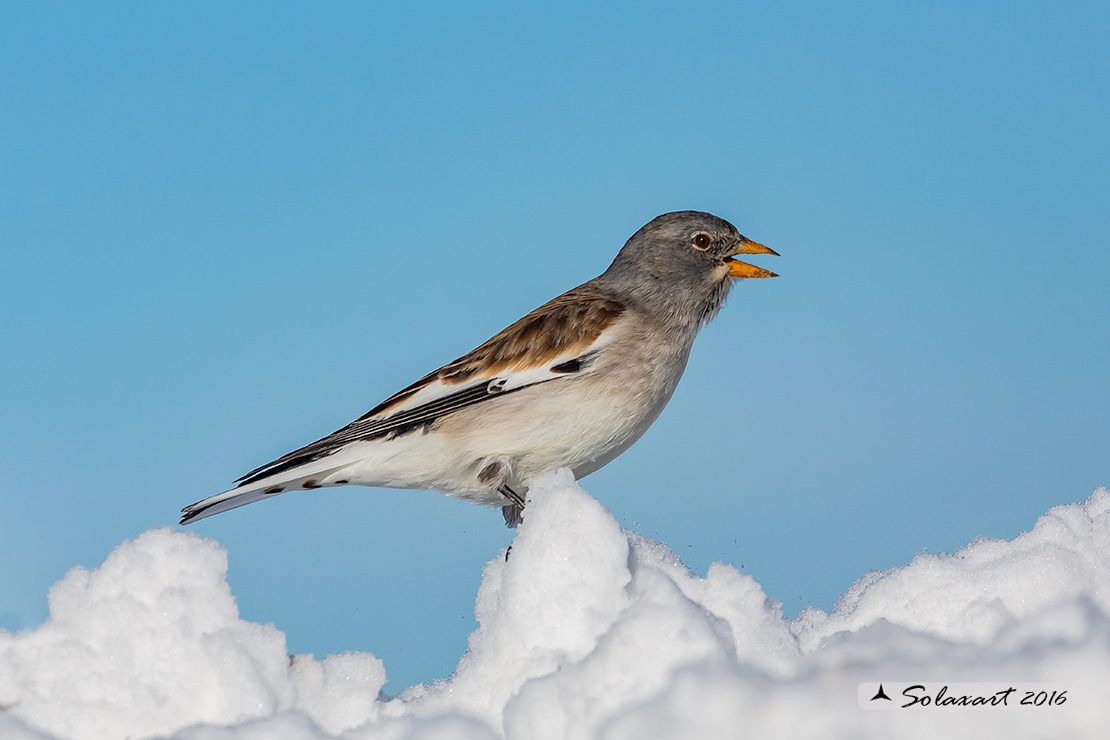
point(738, 269)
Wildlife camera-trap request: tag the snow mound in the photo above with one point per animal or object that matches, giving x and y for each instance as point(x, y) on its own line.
point(586, 631)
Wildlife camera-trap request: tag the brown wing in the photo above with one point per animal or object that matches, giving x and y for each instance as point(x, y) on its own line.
point(569, 324)
point(573, 321)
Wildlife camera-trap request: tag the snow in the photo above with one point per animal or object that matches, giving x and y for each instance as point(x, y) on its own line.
point(586, 631)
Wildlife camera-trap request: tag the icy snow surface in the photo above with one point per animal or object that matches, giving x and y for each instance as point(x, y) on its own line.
point(587, 631)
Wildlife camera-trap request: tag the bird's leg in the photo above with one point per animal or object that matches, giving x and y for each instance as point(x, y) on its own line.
point(495, 475)
point(514, 512)
point(514, 498)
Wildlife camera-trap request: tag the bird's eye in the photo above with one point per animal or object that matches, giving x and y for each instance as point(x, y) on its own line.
point(702, 241)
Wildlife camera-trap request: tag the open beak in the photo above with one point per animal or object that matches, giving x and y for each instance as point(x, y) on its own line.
point(738, 269)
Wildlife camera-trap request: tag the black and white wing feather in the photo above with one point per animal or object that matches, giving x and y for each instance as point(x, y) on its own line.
point(560, 339)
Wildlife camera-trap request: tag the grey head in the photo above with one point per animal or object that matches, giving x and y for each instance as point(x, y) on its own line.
point(679, 267)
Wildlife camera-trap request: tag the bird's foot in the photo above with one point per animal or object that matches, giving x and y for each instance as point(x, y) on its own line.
point(495, 475)
point(514, 515)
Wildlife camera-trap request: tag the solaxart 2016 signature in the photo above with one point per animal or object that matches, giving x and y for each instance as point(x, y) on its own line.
point(918, 696)
point(968, 696)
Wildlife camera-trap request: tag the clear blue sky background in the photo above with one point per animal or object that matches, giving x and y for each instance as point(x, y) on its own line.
point(227, 229)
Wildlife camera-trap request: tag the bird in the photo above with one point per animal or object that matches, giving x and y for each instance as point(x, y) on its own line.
point(573, 384)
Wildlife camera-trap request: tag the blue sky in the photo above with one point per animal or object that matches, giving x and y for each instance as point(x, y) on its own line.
point(228, 229)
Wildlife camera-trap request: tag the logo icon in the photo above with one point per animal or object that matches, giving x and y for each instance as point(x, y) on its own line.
point(880, 694)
